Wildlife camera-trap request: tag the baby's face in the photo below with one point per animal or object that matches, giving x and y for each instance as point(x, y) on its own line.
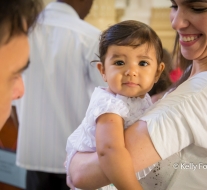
point(130, 71)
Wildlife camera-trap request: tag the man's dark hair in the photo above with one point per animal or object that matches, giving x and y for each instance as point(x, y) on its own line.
point(14, 13)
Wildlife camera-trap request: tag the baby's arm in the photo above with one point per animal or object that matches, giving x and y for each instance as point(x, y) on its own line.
point(114, 158)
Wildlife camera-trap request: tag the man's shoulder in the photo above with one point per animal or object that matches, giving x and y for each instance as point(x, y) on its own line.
point(88, 28)
point(69, 23)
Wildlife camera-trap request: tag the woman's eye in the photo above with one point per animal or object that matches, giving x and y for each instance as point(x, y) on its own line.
point(119, 63)
point(143, 63)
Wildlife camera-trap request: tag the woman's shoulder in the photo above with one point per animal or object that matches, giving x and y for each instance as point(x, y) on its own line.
point(185, 96)
point(194, 84)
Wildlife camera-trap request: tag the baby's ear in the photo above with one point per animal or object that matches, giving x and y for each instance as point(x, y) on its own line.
point(101, 69)
point(160, 69)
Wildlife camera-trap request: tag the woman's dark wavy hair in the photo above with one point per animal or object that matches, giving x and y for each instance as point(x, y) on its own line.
point(130, 33)
point(164, 83)
point(13, 14)
point(184, 64)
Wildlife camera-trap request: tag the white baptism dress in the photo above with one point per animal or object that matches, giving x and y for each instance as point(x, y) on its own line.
point(102, 101)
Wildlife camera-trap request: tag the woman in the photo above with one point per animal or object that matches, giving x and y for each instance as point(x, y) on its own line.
point(175, 128)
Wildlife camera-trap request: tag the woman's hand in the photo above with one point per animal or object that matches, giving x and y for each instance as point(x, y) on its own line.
point(85, 171)
point(69, 183)
point(68, 180)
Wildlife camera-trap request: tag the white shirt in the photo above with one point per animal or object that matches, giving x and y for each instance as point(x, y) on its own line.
point(177, 125)
point(130, 109)
point(58, 85)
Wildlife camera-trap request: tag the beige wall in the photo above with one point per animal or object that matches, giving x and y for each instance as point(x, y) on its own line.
point(47, 1)
point(160, 22)
point(102, 14)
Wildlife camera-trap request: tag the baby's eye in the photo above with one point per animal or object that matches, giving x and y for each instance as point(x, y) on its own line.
point(119, 63)
point(143, 63)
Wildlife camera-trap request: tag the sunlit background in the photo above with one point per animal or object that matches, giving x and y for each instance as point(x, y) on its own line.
point(152, 12)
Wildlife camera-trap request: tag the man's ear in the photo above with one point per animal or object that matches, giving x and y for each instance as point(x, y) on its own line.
point(160, 69)
point(101, 69)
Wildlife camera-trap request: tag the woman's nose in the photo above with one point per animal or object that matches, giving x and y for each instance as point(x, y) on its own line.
point(18, 89)
point(179, 19)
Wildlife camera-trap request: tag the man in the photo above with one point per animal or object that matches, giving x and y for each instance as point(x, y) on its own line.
point(16, 16)
point(58, 85)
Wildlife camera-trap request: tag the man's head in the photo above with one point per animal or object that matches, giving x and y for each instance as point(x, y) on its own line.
point(82, 7)
point(16, 16)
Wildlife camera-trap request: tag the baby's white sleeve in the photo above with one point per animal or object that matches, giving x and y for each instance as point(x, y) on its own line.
point(108, 105)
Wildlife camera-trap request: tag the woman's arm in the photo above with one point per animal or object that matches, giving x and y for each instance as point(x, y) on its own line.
point(140, 146)
point(86, 172)
point(114, 158)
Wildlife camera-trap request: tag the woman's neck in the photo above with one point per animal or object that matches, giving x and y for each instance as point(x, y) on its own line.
point(198, 66)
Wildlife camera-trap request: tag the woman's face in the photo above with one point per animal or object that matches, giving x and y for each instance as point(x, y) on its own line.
point(189, 19)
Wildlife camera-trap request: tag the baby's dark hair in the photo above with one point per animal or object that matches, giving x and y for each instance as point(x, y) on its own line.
point(130, 33)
